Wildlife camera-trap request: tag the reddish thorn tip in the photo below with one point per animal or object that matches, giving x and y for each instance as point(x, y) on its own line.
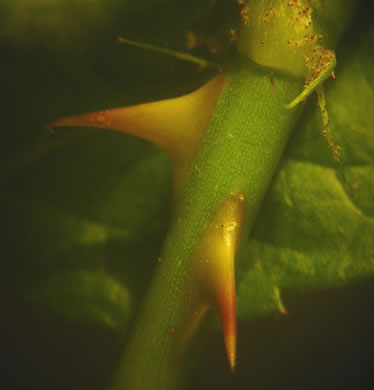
point(284, 312)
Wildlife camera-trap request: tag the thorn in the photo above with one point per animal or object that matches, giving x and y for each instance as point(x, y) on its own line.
point(278, 299)
point(176, 125)
point(213, 274)
point(225, 297)
point(284, 311)
point(228, 319)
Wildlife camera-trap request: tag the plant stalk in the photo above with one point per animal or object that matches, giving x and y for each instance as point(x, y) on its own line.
point(239, 153)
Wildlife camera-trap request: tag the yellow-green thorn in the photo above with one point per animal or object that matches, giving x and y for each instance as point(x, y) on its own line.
point(176, 125)
point(278, 299)
point(212, 277)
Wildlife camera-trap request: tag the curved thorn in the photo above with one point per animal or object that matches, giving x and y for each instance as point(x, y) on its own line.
point(176, 125)
point(213, 274)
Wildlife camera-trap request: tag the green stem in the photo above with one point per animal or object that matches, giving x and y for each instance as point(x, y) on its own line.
point(240, 152)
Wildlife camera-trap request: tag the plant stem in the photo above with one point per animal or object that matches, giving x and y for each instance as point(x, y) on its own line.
point(239, 152)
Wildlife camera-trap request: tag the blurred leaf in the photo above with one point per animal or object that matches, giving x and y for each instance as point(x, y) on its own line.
point(89, 297)
point(65, 24)
point(72, 228)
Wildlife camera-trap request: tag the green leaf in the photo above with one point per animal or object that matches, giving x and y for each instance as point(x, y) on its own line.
point(88, 244)
point(310, 232)
point(89, 297)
